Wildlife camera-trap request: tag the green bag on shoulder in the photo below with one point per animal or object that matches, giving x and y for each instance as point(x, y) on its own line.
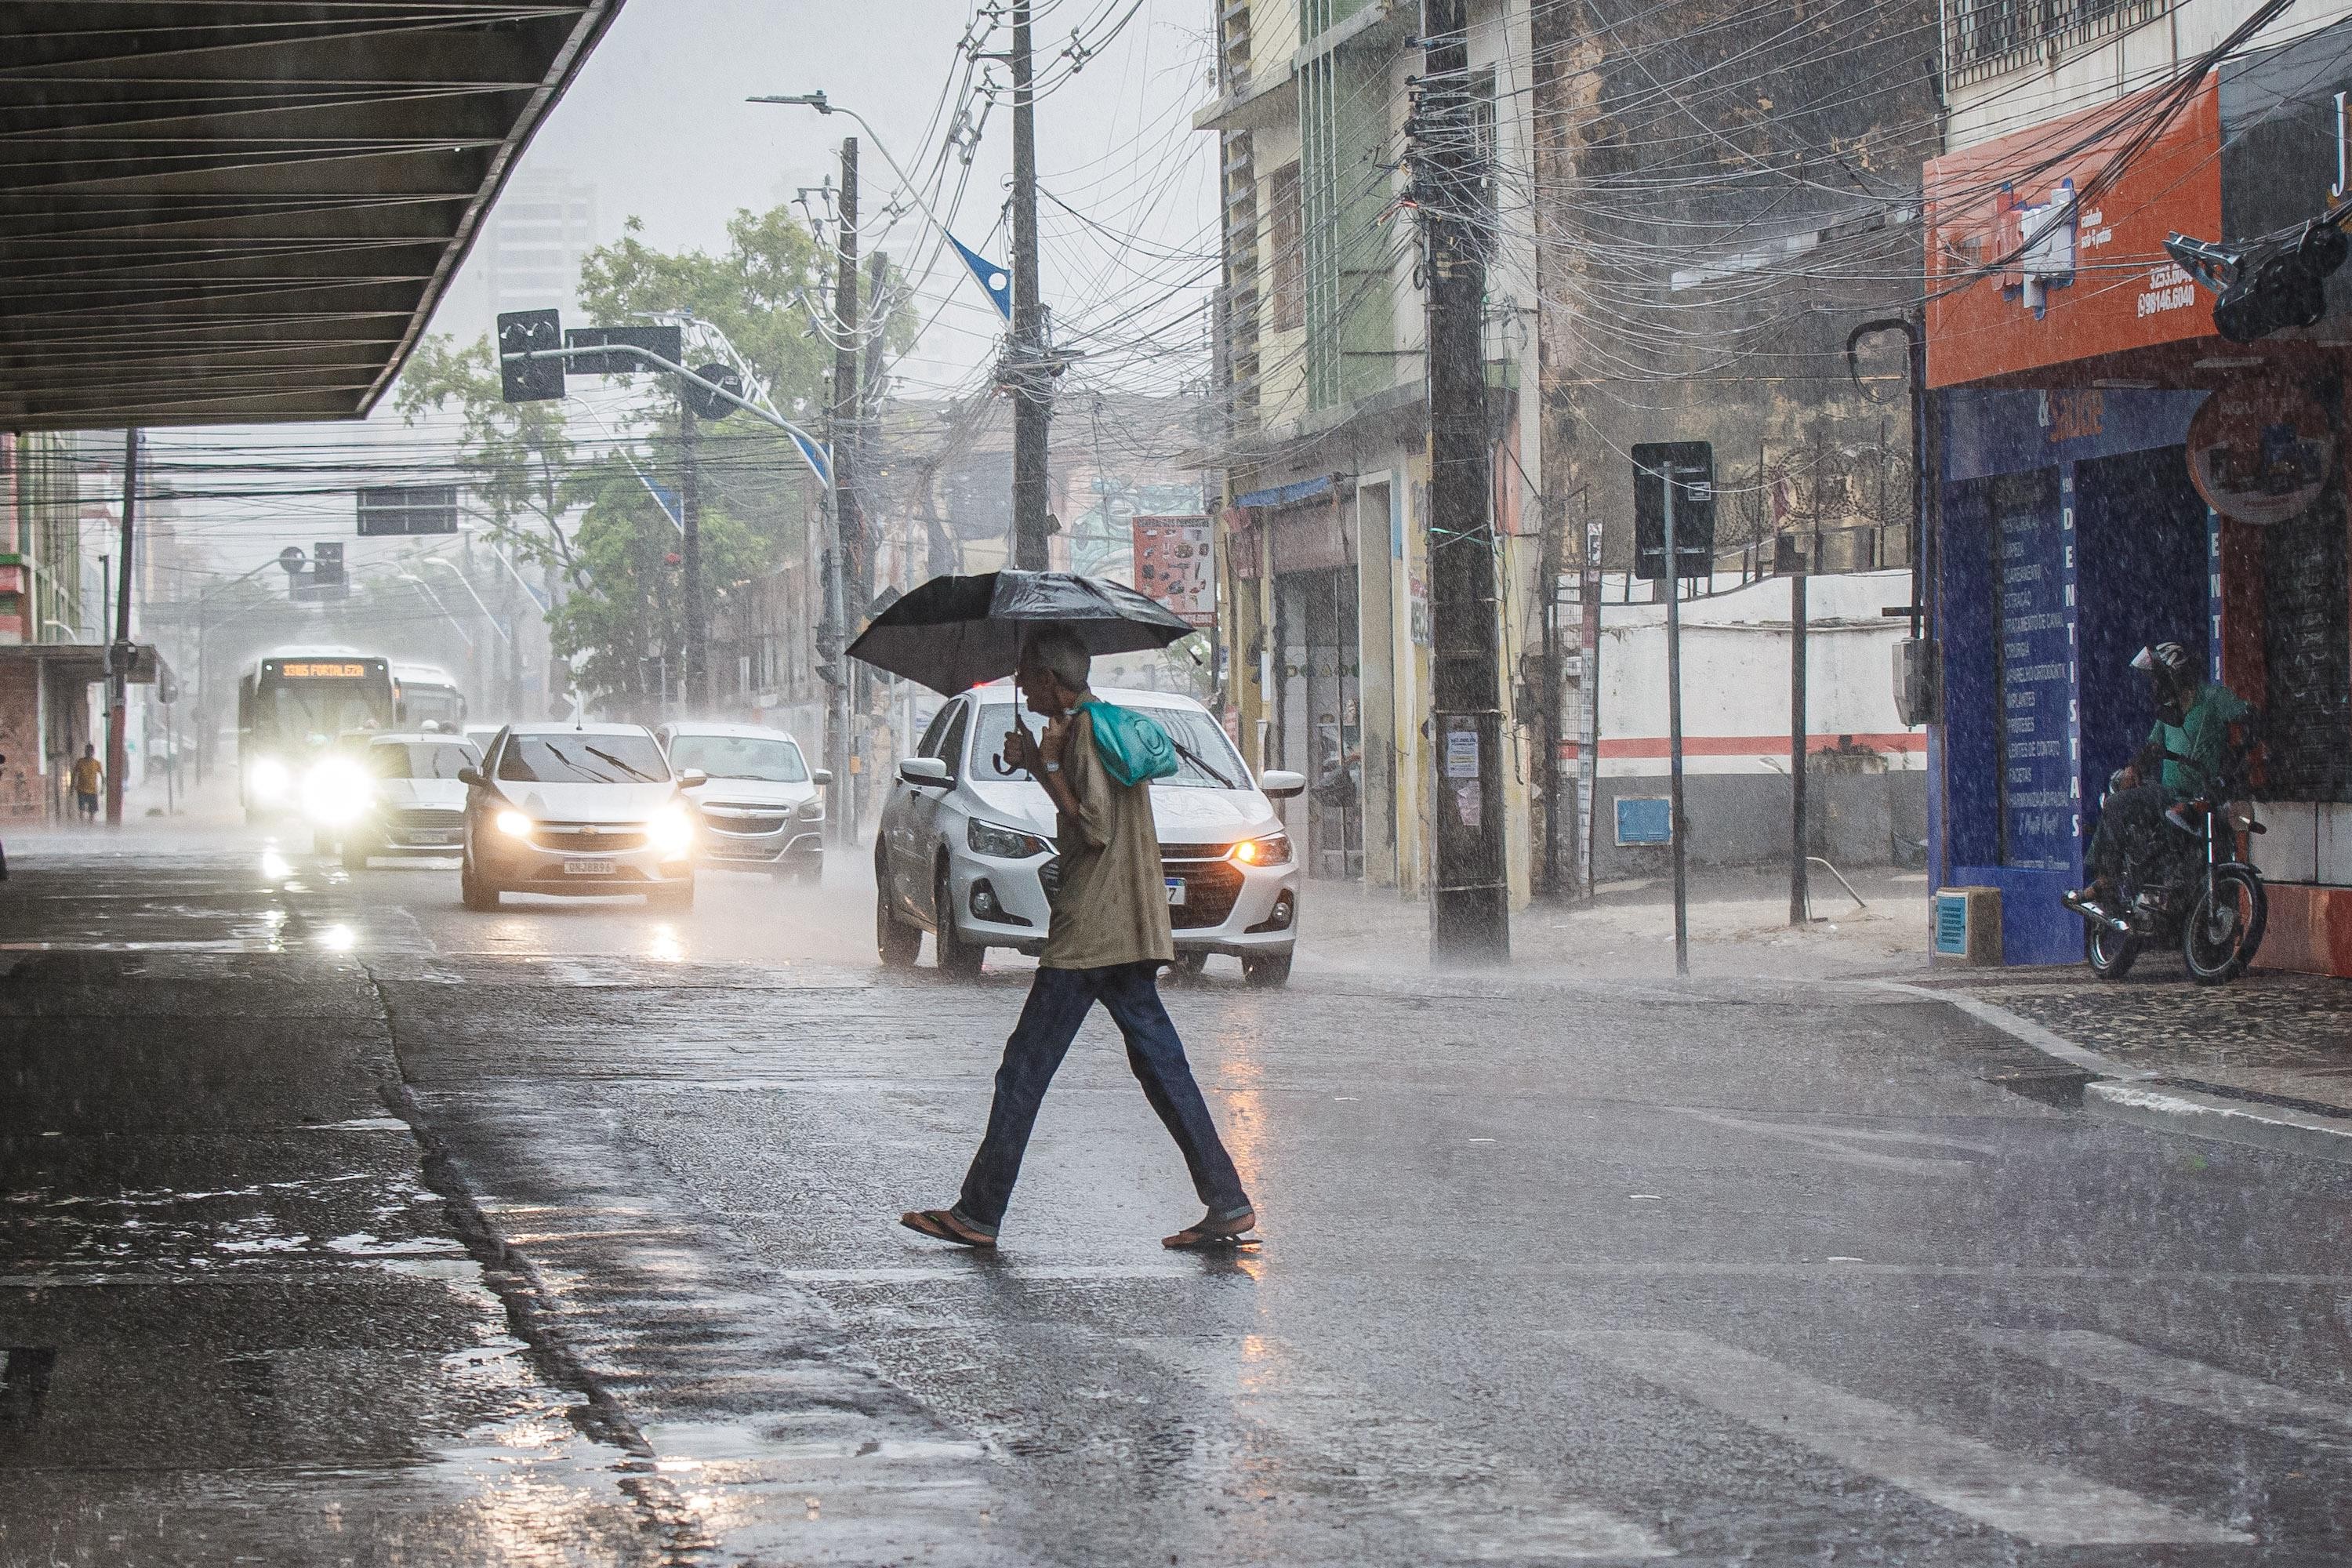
point(1134, 750)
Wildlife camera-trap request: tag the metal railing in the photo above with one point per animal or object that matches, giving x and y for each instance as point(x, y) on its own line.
point(1985, 37)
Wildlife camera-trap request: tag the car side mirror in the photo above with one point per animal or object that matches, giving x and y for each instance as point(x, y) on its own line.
point(822, 777)
point(470, 776)
point(1281, 784)
point(922, 770)
point(689, 778)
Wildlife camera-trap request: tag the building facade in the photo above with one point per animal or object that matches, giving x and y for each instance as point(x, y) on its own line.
point(1323, 544)
point(2114, 472)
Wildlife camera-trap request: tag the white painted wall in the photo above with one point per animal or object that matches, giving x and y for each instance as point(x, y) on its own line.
point(1735, 672)
point(2104, 70)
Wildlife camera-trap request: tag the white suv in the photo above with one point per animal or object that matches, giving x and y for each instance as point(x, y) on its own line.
point(966, 845)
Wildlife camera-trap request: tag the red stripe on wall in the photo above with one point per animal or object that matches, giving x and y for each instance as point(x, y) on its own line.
point(1902, 740)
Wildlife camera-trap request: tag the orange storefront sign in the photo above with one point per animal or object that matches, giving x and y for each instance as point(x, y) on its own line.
point(2023, 274)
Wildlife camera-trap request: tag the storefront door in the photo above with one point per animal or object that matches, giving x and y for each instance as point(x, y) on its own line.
point(1320, 730)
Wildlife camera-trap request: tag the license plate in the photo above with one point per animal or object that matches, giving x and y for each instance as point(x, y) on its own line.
point(1175, 892)
point(587, 868)
point(434, 839)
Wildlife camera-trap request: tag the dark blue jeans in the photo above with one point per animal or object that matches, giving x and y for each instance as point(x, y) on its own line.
point(1059, 1000)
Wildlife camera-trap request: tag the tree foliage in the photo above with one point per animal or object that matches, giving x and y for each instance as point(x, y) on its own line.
point(518, 457)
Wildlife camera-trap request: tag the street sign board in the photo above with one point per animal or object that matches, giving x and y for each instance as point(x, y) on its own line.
point(1172, 565)
point(1693, 465)
point(665, 341)
point(391, 509)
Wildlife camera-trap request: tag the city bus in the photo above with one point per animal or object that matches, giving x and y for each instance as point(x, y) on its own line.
point(292, 704)
point(423, 694)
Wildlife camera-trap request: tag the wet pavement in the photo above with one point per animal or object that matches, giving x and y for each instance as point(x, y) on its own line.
point(345, 1225)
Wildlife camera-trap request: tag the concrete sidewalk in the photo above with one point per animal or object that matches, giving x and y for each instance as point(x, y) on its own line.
point(1739, 928)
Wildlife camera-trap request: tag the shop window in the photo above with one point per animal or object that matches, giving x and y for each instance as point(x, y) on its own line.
point(2307, 657)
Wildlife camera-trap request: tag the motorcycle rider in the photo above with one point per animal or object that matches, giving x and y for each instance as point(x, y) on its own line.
point(2192, 723)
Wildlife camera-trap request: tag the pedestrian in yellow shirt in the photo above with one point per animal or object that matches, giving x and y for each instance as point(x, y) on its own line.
point(89, 778)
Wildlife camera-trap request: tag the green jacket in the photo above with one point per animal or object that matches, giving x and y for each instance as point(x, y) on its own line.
point(2203, 736)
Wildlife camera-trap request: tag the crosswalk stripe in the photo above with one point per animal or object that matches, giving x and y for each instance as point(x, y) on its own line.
point(1470, 1502)
point(2021, 1496)
point(2135, 1370)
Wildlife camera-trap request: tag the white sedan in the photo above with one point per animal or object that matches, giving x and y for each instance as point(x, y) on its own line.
point(966, 845)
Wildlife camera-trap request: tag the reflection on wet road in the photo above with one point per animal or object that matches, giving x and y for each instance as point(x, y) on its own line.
point(1567, 1271)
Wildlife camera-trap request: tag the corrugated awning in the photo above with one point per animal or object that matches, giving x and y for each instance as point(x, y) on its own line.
point(246, 210)
point(1286, 495)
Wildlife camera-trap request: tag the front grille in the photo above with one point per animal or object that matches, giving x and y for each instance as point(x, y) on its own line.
point(1210, 889)
point(744, 826)
point(424, 825)
point(1195, 852)
point(602, 841)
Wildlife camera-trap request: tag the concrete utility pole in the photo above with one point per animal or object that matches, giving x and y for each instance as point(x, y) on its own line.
point(694, 686)
point(118, 657)
point(848, 520)
point(1678, 825)
point(1025, 370)
point(1470, 909)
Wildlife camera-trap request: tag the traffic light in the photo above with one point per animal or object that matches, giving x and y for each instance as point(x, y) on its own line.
point(2268, 291)
point(1692, 464)
point(662, 342)
point(327, 567)
point(706, 406)
point(530, 331)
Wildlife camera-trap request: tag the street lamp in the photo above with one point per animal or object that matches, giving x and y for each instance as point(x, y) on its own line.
point(455, 624)
point(443, 561)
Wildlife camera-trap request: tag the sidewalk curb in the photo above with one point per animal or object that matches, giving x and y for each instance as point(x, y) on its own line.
point(2145, 1099)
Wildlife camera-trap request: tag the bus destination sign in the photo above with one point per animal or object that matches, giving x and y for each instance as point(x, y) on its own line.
point(315, 670)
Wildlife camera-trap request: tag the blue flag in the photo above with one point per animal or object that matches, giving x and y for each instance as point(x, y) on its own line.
point(990, 276)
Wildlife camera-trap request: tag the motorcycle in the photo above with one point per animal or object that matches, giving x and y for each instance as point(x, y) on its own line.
point(2200, 894)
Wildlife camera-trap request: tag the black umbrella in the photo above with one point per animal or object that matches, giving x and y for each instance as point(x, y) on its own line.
point(953, 633)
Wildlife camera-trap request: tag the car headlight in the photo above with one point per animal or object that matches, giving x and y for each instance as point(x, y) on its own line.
point(1274, 850)
point(334, 792)
point(268, 780)
point(1002, 842)
point(813, 809)
point(514, 823)
point(671, 829)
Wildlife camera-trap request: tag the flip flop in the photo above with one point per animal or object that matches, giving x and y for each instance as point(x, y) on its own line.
point(940, 1225)
point(1213, 1236)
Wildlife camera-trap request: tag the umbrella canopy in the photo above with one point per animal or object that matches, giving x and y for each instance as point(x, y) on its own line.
point(954, 633)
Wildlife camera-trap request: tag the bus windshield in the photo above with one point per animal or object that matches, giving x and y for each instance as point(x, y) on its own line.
point(302, 711)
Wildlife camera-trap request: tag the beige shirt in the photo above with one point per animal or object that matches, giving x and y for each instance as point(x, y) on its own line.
point(1112, 907)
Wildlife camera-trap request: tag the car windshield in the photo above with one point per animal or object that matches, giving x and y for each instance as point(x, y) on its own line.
point(1211, 764)
point(420, 759)
point(576, 757)
point(739, 757)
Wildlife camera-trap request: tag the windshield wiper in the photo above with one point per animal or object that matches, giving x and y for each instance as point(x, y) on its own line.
point(622, 765)
point(1192, 757)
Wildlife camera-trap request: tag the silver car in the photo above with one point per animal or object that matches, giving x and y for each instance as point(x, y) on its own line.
point(762, 808)
point(416, 806)
point(577, 809)
point(966, 845)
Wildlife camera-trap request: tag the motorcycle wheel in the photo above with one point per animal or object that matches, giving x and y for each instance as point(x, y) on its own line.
point(2109, 952)
point(2224, 928)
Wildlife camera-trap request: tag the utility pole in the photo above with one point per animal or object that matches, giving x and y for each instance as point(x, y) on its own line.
point(694, 689)
point(848, 520)
point(1470, 911)
point(1799, 909)
point(118, 659)
point(1025, 371)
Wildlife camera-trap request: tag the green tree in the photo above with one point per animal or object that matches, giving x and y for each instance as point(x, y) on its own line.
point(518, 457)
point(628, 627)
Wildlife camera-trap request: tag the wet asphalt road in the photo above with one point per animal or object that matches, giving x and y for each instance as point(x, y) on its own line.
point(1581, 1271)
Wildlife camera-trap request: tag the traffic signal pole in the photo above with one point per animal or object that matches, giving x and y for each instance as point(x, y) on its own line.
point(118, 659)
point(1470, 909)
point(1679, 828)
point(848, 520)
point(695, 684)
